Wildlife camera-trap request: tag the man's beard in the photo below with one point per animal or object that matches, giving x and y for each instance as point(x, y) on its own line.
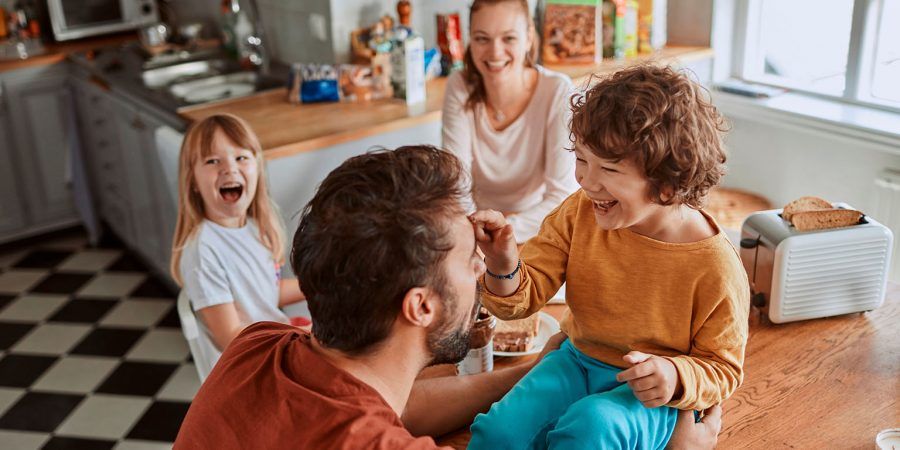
point(447, 345)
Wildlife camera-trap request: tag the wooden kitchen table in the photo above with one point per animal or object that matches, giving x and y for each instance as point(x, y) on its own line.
point(824, 383)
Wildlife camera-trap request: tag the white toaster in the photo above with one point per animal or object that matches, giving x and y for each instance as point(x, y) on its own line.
point(799, 275)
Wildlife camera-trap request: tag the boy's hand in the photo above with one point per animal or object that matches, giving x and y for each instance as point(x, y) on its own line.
point(654, 380)
point(496, 240)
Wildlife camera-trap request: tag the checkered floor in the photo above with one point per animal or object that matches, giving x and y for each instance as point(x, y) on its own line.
point(91, 353)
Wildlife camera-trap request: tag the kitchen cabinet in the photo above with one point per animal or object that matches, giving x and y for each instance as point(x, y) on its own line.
point(39, 136)
point(12, 213)
point(125, 173)
point(135, 131)
point(101, 149)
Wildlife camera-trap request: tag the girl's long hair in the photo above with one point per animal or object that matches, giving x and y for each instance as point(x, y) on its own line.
point(197, 145)
point(477, 93)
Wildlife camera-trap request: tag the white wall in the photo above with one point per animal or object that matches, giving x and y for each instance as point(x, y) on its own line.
point(293, 180)
point(783, 161)
point(295, 24)
point(298, 31)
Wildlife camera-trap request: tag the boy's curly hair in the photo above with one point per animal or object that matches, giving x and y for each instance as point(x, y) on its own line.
point(664, 121)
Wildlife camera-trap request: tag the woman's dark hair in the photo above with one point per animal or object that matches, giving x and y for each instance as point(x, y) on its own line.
point(376, 228)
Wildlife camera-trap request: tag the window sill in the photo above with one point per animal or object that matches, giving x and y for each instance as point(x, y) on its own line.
point(812, 113)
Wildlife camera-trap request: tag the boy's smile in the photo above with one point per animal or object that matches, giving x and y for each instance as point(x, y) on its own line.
point(226, 180)
point(620, 195)
point(618, 191)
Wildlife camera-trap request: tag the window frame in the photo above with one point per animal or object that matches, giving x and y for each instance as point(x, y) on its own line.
point(860, 71)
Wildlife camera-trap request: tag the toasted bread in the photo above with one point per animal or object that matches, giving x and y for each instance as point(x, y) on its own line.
point(516, 335)
point(825, 218)
point(804, 204)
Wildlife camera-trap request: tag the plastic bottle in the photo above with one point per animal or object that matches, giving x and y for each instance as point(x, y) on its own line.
point(3, 30)
point(243, 29)
point(229, 9)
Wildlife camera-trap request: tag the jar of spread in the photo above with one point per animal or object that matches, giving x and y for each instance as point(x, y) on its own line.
point(481, 346)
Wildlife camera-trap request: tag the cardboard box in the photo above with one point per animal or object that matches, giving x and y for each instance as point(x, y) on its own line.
point(572, 32)
point(652, 15)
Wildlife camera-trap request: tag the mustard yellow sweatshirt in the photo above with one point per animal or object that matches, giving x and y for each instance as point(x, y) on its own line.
point(686, 302)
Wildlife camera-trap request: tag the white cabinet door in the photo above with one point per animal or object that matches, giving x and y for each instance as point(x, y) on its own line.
point(40, 117)
point(135, 135)
point(12, 215)
point(164, 209)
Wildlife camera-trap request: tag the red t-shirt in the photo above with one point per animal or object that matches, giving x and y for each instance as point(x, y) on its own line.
point(271, 390)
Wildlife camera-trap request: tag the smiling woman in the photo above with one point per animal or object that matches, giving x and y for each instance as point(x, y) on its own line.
point(505, 118)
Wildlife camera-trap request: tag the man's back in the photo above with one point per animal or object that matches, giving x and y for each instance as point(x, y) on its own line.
point(270, 389)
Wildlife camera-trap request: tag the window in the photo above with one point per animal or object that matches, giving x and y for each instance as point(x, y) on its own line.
point(847, 49)
point(886, 76)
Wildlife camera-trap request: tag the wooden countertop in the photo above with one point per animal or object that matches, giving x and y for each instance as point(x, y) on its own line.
point(285, 129)
point(57, 51)
point(822, 383)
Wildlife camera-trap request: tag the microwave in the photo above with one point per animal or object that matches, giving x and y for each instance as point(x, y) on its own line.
point(74, 19)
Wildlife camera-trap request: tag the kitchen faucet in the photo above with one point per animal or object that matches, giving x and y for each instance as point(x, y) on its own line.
point(260, 56)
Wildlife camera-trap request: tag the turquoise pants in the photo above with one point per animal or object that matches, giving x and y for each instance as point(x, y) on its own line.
point(572, 401)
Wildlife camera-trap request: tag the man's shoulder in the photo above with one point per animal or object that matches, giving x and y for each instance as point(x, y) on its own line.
point(265, 331)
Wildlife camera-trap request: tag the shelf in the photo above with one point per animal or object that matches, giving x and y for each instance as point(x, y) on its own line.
point(285, 129)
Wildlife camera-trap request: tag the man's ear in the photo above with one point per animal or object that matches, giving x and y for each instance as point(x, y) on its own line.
point(419, 307)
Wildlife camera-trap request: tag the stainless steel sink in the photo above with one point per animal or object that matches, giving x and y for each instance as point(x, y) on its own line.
point(216, 87)
point(167, 75)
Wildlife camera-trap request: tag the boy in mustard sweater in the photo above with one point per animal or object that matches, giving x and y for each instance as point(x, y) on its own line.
point(658, 300)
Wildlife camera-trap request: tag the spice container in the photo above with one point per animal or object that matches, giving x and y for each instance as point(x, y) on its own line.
point(481, 346)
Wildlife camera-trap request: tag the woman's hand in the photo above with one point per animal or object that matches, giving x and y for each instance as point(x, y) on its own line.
point(496, 240)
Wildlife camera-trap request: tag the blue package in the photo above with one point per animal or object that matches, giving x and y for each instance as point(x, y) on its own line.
point(432, 63)
point(318, 83)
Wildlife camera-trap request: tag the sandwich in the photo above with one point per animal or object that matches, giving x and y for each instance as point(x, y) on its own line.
point(516, 335)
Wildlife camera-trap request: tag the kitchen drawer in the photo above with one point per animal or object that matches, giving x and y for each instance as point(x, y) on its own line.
point(105, 151)
point(111, 185)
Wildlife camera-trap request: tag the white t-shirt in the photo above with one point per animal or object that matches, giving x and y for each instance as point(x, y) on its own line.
point(230, 265)
point(523, 169)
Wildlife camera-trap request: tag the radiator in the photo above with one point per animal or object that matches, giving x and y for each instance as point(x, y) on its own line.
point(887, 211)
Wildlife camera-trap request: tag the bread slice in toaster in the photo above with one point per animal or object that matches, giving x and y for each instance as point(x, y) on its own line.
point(825, 218)
point(808, 203)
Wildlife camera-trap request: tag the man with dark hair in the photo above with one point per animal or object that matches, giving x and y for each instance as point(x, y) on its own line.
point(387, 259)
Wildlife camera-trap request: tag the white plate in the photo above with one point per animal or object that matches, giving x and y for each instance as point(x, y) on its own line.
point(549, 326)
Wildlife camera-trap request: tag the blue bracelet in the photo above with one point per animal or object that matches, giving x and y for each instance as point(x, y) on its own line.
point(504, 277)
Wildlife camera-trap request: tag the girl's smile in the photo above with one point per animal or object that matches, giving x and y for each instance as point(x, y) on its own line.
point(226, 179)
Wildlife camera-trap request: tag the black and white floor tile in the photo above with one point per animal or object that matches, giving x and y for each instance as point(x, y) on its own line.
point(91, 350)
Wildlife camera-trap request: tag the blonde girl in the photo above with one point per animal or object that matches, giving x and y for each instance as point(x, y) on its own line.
point(228, 247)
